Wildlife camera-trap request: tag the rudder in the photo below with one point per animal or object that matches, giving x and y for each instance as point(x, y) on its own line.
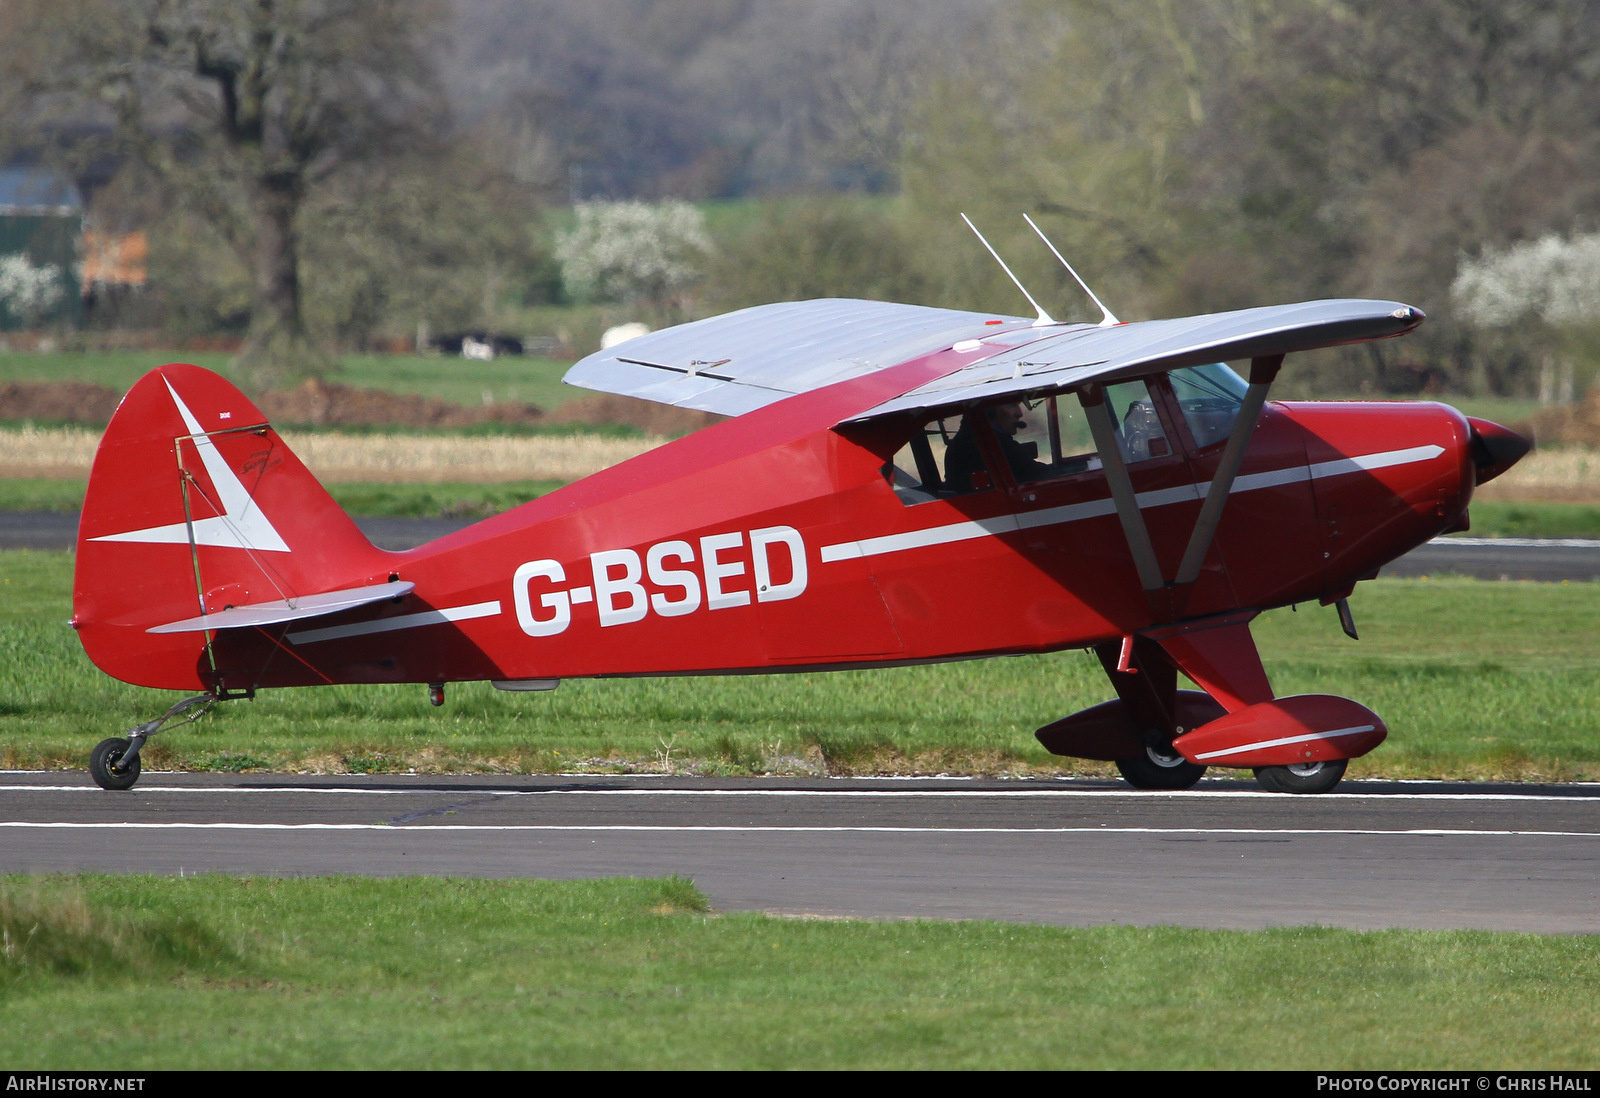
point(195, 504)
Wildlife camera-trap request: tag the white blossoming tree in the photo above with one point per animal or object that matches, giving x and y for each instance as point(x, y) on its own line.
point(1553, 279)
point(29, 291)
point(635, 252)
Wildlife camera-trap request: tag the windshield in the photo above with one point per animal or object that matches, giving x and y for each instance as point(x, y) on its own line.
point(1210, 397)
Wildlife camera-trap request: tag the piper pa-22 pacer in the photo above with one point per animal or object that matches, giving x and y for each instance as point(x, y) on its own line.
point(895, 485)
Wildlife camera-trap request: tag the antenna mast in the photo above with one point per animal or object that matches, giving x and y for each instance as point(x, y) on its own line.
point(1108, 318)
point(1044, 317)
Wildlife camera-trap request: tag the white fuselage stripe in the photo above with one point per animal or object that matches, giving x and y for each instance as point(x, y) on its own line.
point(1307, 738)
point(404, 621)
point(1051, 516)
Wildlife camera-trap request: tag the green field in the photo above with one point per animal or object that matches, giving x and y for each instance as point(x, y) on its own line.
point(1475, 680)
point(457, 380)
point(1502, 519)
point(135, 973)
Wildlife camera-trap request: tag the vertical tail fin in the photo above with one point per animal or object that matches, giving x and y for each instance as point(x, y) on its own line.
point(195, 504)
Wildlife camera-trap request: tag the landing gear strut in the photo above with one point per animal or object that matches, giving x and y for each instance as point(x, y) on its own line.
point(114, 763)
point(1147, 683)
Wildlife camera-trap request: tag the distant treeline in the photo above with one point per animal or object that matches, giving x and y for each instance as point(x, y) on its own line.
point(1186, 156)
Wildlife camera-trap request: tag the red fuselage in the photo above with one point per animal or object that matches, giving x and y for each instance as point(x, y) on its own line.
point(773, 541)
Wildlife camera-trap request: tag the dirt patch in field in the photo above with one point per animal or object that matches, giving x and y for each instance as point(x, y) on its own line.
point(58, 402)
point(647, 415)
point(323, 404)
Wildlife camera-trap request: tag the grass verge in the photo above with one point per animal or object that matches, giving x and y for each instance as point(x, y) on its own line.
point(1508, 519)
point(132, 973)
point(1475, 680)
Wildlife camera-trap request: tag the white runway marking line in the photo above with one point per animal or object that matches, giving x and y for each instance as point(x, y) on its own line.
point(1420, 832)
point(1180, 796)
point(1519, 543)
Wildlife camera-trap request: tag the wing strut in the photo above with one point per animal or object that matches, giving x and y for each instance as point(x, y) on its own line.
point(1262, 372)
point(1093, 399)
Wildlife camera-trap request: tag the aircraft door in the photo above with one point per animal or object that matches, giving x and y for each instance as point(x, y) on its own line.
point(1059, 492)
point(1269, 543)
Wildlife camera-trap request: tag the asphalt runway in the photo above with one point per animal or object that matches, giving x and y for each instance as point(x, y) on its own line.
point(1373, 855)
point(1078, 852)
point(1483, 558)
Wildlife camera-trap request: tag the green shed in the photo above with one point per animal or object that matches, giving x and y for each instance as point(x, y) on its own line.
point(41, 232)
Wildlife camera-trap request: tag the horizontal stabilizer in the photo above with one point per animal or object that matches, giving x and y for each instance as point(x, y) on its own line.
point(282, 610)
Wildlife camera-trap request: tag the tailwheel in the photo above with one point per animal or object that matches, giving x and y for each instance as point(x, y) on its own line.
point(1160, 768)
point(108, 768)
point(114, 763)
point(1313, 777)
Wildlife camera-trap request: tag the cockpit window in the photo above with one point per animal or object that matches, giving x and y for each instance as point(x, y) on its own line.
point(1210, 397)
point(1041, 438)
point(1053, 438)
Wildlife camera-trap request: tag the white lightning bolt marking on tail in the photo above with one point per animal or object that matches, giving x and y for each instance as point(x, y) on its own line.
point(242, 525)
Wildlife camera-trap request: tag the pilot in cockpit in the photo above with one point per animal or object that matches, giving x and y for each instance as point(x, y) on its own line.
point(962, 457)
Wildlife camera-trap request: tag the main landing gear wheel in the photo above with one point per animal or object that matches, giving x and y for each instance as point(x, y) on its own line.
point(105, 768)
point(1316, 777)
point(1160, 768)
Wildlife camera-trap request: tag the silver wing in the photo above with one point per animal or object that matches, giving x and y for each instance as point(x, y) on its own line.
point(745, 360)
point(738, 362)
point(1112, 354)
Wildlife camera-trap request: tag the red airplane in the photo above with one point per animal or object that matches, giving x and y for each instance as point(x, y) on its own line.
point(896, 485)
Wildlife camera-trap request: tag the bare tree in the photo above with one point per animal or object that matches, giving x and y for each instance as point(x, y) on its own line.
point(240, 110)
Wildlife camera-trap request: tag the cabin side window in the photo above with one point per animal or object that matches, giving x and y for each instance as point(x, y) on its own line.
point(1041, 438)
point(1049, 437)
point(923, 469)
point(1210, 397)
